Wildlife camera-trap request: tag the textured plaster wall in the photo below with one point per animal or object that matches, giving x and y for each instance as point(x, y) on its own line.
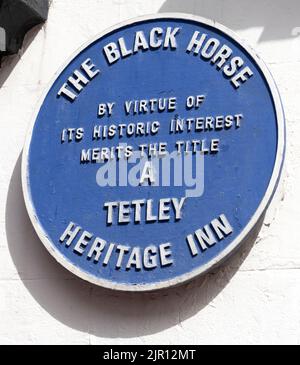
point(254, 298)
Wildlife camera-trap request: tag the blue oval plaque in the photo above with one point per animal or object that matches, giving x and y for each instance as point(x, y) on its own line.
point(153, 153)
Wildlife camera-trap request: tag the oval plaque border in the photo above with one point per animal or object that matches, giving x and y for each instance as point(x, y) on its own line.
point(252, 222)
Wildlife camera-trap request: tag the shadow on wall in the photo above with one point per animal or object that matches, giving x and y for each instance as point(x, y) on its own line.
point(98, 311)
point(279, 19)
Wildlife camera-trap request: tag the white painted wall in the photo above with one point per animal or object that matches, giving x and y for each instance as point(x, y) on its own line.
point(255, 298)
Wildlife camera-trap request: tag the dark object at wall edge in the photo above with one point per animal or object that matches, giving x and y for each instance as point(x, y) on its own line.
point(17, 17)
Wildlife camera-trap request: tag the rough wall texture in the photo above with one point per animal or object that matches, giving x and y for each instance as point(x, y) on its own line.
point(254, 298)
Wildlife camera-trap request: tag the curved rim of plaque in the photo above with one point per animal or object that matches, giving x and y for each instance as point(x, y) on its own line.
point(273, 183)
